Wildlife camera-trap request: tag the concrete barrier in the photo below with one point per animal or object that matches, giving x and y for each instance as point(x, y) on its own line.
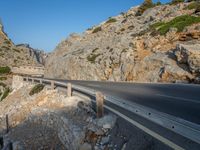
point(28, 70)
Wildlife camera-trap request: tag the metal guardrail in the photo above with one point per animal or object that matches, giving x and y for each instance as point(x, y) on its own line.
point(182, 127)
point(8, 146)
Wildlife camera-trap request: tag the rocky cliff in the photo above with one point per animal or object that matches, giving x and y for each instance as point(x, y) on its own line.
point(12, 55)
point(17, 55)
point(160, 45)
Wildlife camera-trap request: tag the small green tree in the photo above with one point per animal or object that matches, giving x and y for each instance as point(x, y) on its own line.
point(145, 5)
point(177, 1)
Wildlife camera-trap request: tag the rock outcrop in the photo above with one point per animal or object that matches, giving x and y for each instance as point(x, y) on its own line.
point(12, 55)
point(17, 55)
point(51, 120)
point(189, 55)
point(127, 48)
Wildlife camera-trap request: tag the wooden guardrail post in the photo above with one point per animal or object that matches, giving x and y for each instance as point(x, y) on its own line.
point(7, 124)
point(10, 146)
point(69, 89)
point(1, 142)
point(40, 81)
point(52, 85)
point(99, 104)
point(32, 80)
point(26, 79)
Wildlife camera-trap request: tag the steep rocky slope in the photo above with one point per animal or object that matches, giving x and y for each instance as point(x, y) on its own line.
point(51, 120)
point(16, 55)
point(161, 45)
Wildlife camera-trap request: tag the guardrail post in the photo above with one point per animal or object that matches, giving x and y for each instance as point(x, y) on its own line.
point(1, 143)
point(10, 146)
point(40, 81)
point(26, 79)
point(32, 80)
point(52, 85)
point(99, 104)
point(69, 89)
point(7, 124)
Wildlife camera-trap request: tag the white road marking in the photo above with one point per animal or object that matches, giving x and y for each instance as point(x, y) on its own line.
point(179, 98)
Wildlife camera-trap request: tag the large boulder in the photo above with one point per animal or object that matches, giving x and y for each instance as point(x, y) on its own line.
point(190, 55)
point(159, 67)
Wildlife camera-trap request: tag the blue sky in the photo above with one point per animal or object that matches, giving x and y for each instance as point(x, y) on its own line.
point(44, 23)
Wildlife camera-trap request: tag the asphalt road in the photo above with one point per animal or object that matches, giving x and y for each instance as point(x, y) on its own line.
point(180, 100)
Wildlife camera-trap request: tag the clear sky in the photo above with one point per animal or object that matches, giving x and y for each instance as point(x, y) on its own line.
point(44, 23)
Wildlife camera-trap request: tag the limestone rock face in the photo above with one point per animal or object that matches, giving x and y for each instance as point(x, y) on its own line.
point(51, 120)
point(18, 55)
point(190, 55)
point(127, 49)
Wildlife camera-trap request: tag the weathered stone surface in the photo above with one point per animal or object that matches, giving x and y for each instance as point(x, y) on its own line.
point(125, 50)
point(16, 55)
point(51, 120)
point(190, 55)
point(86, 146)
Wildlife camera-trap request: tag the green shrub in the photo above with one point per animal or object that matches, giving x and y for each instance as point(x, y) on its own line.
point(7, 42)
point(174, 2)
point(5, 47)
point(146, 5)
point(2, 84)
point(97, 29)
point(16, 50)
point(3, 78)
point(122, 29)
point(111, 20)
point(5, 94)
point(158, 3)
point(94, 50)
point(92, 57)
point(5, 70)
point(36, 89)
point(197, 9)
point(194, 5)
point(179, 22)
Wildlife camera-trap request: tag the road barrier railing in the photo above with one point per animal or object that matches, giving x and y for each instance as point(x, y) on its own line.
point(179, 126)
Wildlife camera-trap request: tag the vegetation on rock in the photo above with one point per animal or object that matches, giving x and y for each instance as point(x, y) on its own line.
point(92, 57)
point(146, 5)
point(194, 5)
point(5, 94)
point(127, 50)
point(111, 20)
point(2, 84)
point(3, 78)
point(174, 2)
point(179, 22)
point(97, 29)
point(5, 70)
point(36, 89)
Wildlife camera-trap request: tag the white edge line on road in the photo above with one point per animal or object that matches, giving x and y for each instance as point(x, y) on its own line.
point(148, 131)
point(179, 98)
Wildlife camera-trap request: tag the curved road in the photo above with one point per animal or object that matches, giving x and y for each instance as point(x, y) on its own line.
point(180, 100)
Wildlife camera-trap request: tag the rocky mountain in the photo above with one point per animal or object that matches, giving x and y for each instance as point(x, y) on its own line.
point(17, 55)
point(161, 44)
